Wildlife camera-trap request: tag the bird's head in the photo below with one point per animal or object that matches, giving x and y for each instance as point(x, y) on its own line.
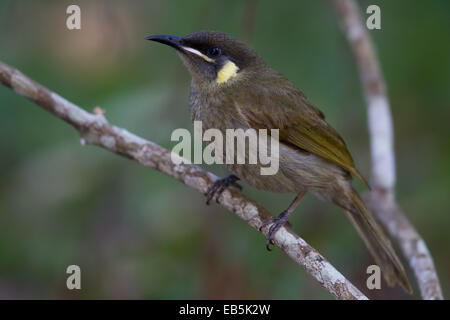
point(213, 58)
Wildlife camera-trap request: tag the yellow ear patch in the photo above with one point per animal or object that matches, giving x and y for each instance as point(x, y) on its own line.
point(228, 71)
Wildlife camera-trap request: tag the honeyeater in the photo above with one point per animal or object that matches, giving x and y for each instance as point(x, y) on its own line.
point(233, 88)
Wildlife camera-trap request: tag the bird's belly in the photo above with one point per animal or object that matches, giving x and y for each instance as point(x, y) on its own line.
point(251, 174)
point(280, 179)
point(298, 171)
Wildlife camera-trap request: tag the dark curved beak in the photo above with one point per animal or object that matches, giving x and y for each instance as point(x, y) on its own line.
point(173, 41)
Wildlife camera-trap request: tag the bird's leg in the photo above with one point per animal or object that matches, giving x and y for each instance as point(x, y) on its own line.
point(279, 221)
point(220, 185)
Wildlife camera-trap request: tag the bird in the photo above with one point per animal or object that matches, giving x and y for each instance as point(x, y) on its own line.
point(233, 88)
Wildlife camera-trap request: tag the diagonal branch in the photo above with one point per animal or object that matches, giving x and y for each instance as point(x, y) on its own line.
point(382, 198)
point(94, 129)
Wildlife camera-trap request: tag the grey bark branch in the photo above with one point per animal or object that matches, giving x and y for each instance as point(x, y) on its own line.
point(382, 197)
point(94, 129)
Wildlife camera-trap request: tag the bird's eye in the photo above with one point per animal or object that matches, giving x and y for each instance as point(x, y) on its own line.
point(214, 52)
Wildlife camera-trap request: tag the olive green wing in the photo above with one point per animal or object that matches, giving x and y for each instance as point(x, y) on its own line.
point(281, 106)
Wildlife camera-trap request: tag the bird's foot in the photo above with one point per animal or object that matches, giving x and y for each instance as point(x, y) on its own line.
point(219, 186)
point(277, 223)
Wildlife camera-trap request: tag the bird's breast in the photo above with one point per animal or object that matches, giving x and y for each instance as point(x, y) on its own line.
point(215, 110)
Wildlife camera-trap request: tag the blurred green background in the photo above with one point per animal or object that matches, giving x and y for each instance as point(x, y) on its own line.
point(136, 233)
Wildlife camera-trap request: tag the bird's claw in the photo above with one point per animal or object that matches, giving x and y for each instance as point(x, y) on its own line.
point(277, 223)
point(219, 186)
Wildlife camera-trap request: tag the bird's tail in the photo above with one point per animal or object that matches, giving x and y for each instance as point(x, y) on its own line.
point(377, 242)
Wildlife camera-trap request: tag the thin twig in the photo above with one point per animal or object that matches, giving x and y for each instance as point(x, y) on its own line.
point(94, 129)
point(382, 197)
